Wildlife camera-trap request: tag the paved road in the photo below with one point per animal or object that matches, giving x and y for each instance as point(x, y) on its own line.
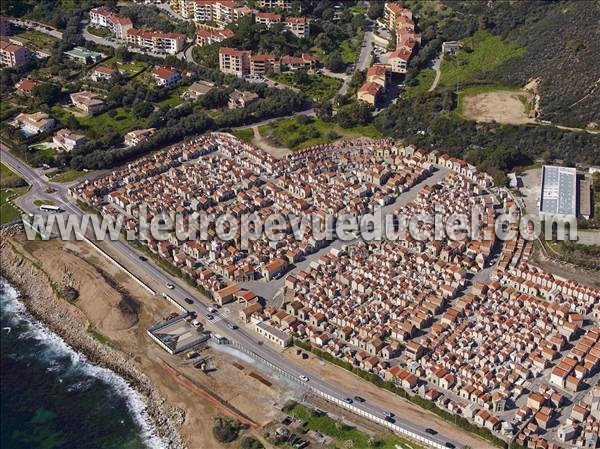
point(364, 58)
point(129, 257)
point(46, 29)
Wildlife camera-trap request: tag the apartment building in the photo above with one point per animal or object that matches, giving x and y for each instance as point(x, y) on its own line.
point(398, 60)
point(370, 92)
point(212, 36)
point(13, 55)
point(306, 62)
point(267, 18)
point(234, 62)
point(157, 42)
point(285, 5)
point(298, 26)
point(262, 63)
point(106, 18)
point(221, 12)
point(392, 12)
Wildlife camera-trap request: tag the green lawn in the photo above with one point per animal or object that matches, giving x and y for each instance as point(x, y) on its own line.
point(342, 433)
point(488, 52)
point(68, 175)
point(318, 87)
point(174, 97)
point(349, 54)
point(130, 68)
point(116, 120)
point(245, 134)
point(292, 134)
point(7, 176)
point(36, 40)
point(42, 202)
point(8, 212)
point(44, 148)
point(424, 81)
point(99, 31)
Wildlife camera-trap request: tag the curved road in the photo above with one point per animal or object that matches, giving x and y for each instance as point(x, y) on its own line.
point(130, 257)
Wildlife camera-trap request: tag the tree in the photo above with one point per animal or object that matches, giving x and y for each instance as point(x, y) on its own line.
point(142, 110)
point(215, 98)
point(375, 9)
point(324, 111)
point(334, 62)
point(357, 113)
point(46, 93)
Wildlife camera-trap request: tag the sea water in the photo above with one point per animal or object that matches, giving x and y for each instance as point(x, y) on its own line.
point(52, 397)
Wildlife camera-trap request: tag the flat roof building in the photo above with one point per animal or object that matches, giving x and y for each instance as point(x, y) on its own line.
point(558, 191)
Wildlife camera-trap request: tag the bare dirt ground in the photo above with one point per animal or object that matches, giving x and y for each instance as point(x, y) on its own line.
point(119, 309)
point(500, 106)
point(565, 270)
point(263, 143)
point(386, 399)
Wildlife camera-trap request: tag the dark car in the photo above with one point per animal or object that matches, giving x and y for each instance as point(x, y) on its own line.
point(189, 300)
point(450, 445)
point(348, 401)
point(143, 259)
point(430, 431)
point(359, 399)
point(209, 316)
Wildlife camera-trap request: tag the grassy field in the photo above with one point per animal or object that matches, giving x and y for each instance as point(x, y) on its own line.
point(487, 53)
point(116, 120)
point(318, 87)
point(342, 433)
point(7, 176)
point(349, 54)
point(99, 31)
point(129, 69)
point(36, 40)
point(42, 202)
point(174, 98)
point(292, 134)
point(68, 175)
point(246, 134)
point(8, 212)
point(425, 80)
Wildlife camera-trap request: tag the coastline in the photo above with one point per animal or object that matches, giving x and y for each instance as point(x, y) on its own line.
point(70, 324)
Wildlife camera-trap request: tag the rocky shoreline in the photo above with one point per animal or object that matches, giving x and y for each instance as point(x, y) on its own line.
point(70, 323)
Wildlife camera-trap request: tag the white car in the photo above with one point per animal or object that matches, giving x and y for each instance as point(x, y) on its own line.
point(169, 286)
point(303, 378)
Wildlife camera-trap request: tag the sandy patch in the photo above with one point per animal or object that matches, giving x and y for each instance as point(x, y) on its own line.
point(500, 106)
point(119, 309)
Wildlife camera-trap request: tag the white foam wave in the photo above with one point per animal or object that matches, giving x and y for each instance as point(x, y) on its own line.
point(56, 347)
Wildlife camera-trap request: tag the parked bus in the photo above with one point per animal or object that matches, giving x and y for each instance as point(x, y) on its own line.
point(50, 208)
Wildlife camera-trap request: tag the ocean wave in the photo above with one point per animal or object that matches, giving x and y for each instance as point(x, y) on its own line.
point(57, 350)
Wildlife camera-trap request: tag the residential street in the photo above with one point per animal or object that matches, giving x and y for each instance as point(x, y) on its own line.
point(156, 278)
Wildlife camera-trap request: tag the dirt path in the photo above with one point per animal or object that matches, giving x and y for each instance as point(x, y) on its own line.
point(263, 143)
point(499, 106)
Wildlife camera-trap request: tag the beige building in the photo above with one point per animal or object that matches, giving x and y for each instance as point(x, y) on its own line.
point(13, 55)
point(89, 102)
point(170, 43)
point(234, 62)
point(222, 12)
point(398, 60)
point(370, 92)
point(211, 36)
point(298, 26)
point(272, 334)
point(240, 99)
point(68, 140)
point(285, 5)
point(134, 137)
point(35, 123)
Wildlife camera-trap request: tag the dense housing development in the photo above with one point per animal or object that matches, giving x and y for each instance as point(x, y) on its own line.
point(511, 348)
point(244, 122)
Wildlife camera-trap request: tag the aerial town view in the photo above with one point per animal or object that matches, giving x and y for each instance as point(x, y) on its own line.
point(259, 224)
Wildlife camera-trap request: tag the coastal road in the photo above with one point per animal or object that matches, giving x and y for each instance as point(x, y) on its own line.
point(252, 343)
